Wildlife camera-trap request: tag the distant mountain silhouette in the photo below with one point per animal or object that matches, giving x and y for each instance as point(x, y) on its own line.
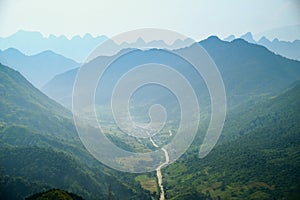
point(284, 33)
point(229, 38)
point(248, 37)
point(39, 68)
point(77, 48)
point(285, 48)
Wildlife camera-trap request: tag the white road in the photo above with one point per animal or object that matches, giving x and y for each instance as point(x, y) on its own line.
point(158, 171)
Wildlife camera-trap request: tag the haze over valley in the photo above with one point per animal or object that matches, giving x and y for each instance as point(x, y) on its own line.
point(179, 105)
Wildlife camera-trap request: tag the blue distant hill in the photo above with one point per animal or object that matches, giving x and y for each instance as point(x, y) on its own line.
point(38, 68)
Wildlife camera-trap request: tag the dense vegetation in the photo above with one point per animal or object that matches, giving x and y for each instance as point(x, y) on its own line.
point(262, 163)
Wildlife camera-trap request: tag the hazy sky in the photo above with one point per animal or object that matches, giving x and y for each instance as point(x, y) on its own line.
point(194, 18)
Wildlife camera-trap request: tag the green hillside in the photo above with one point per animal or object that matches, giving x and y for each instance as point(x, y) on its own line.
point(22, 103)
point(40, 148)
point(262, 163)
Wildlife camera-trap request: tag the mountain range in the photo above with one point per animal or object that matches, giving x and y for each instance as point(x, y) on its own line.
point(78, 48)
point(247, 69)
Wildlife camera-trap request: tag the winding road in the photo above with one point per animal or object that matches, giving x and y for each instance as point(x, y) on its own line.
point(158, 171)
